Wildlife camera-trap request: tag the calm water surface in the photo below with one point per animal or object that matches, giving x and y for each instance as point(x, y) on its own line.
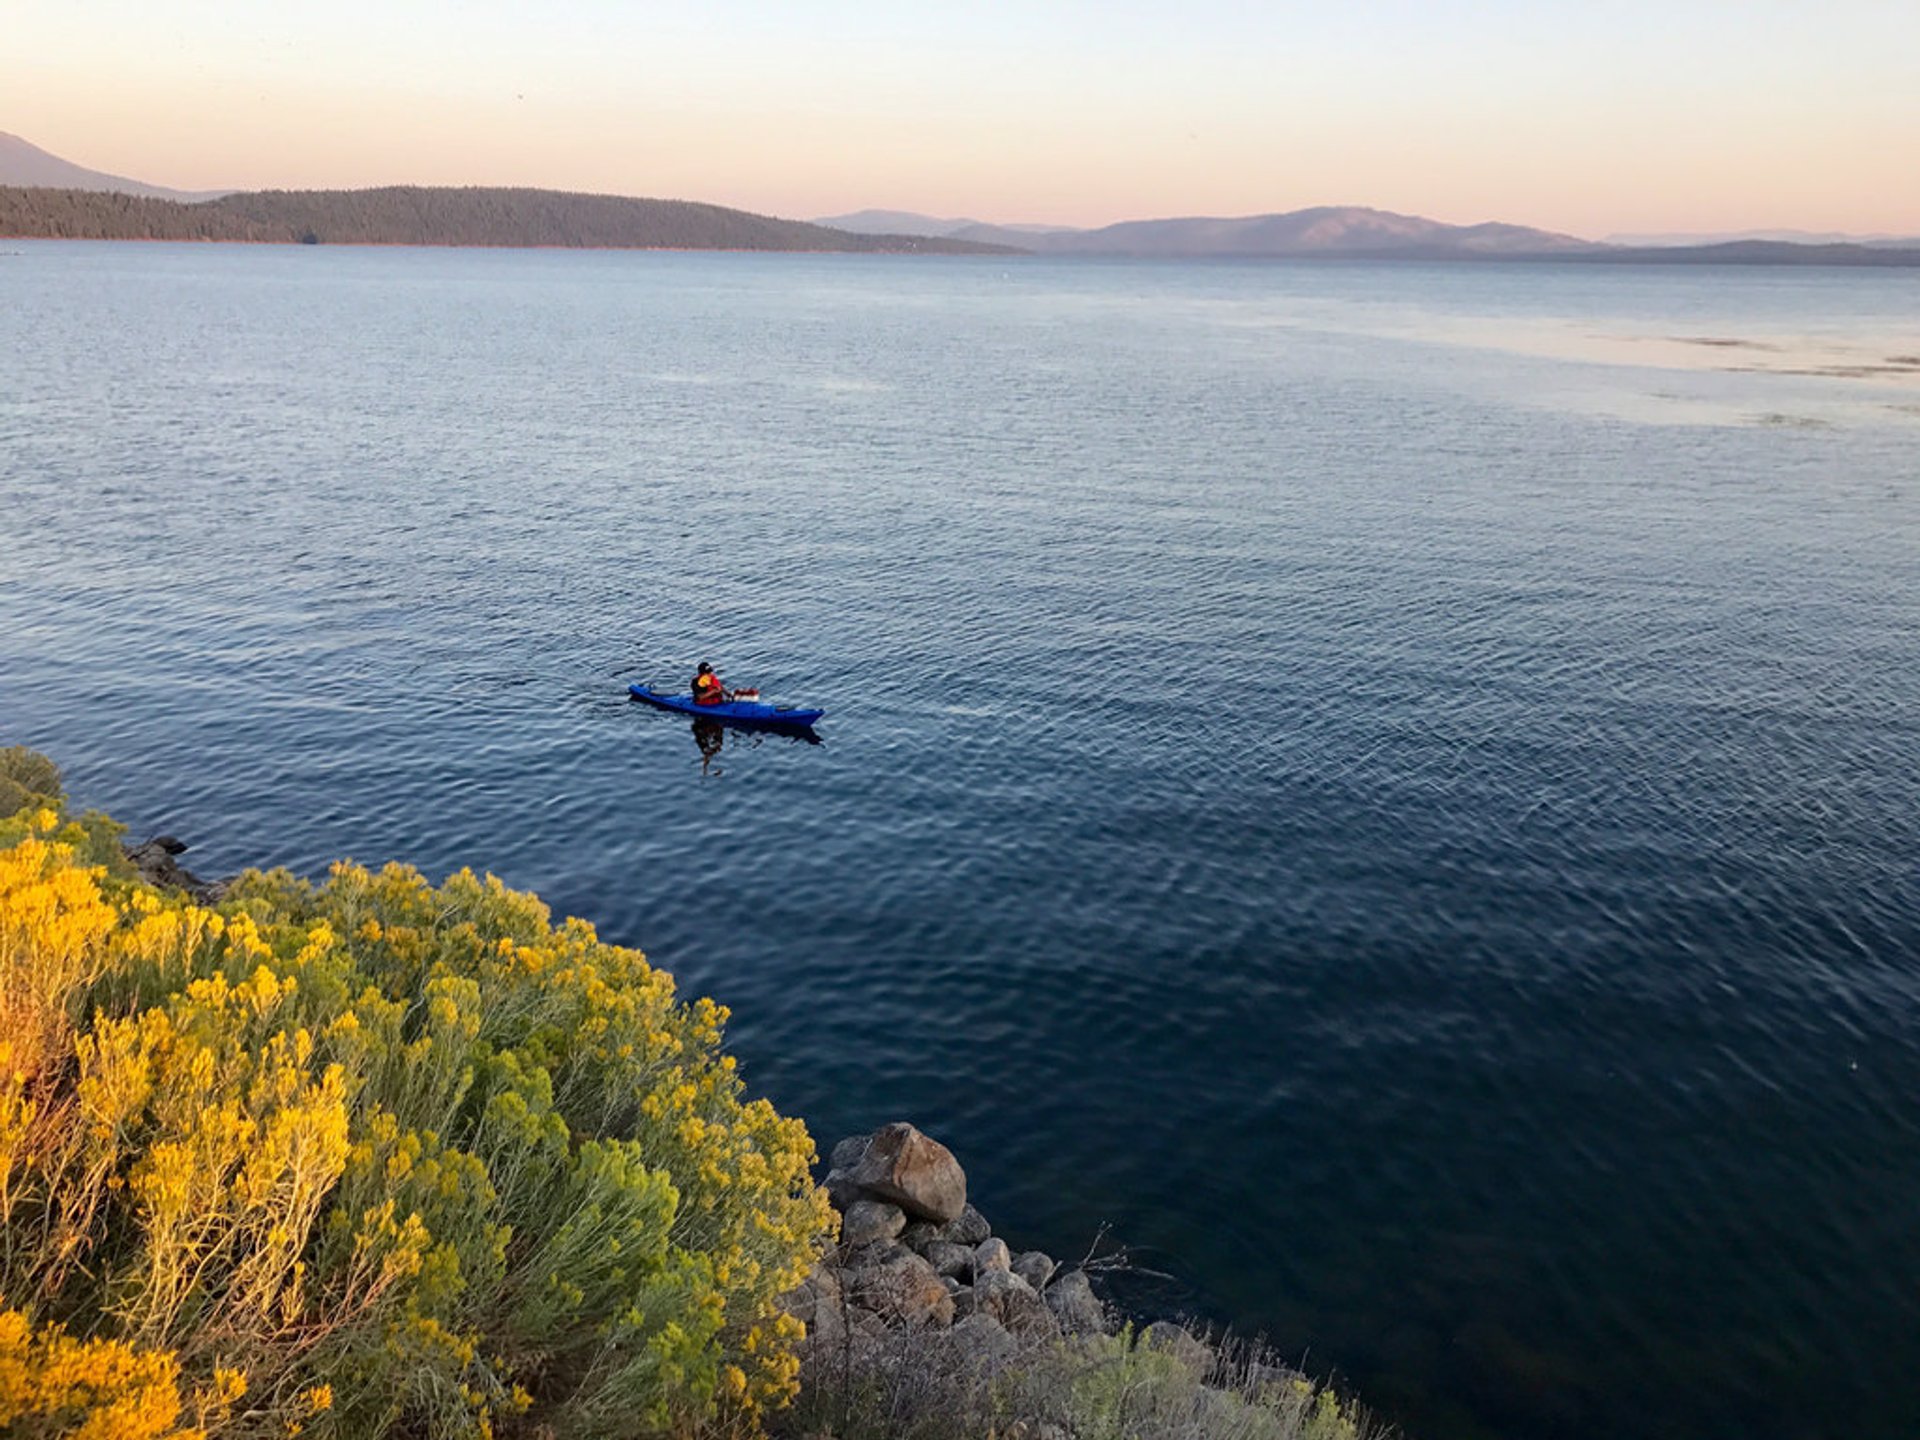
point(1393, 788)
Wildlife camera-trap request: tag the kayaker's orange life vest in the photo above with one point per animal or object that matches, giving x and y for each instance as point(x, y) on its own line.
point(706, 689)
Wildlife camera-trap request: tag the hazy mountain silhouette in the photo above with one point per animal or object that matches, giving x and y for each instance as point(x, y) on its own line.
point(1785, 237)
point(909, 222)
point(1330, 232)
point(42, 195)
point(1322, 230)
point(423, 215)
point(22, 163)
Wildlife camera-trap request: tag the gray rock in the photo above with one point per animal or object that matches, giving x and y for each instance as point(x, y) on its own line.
point(919, 1234)
point(899, 1286)
point(155, 863)
point(866, 1221)
point(1013, 1302)
point(1075, 1306)
point(1171, 1339)
point(848, 1152)
point(917, 1173)
point(865, 1257)
point(1034, 1267)
point(970, 1229)
point(948, 1258)
point(954, 1287)
point(991, 1255)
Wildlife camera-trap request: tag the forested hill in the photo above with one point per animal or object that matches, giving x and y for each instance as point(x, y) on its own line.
point(420, 215)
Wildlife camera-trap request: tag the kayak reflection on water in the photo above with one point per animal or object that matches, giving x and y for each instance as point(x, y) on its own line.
point(711, 737)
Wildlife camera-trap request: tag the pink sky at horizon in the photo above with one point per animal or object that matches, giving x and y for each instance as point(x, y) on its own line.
point(1694, 116)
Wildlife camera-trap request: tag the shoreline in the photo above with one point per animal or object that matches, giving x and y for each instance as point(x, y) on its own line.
point(917, 1294)
point(545, 246)
point(1783, 256)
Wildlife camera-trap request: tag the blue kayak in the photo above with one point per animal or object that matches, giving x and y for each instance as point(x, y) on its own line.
point(731, 712)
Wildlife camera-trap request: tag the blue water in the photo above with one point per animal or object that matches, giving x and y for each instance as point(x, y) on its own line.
point(1393, 788)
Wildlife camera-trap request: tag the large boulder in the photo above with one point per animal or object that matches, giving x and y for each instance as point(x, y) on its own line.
point(915, 1172)
point(898, 1286)
point(847, 1153)
point(1075, 1306)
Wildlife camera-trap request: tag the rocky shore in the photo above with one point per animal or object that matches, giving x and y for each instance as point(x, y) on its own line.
point(914, 1254)
point(921, 1303)
point(155, 862)
point(921, 1321)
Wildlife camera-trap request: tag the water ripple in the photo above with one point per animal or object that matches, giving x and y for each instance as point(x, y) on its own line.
point(1364, 796)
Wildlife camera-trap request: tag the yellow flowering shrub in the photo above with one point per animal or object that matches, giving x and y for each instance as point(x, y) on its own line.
point(409, 1159)
point(54, 1385)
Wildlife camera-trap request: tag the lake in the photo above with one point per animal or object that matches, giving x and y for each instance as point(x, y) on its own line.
point(1390, 789)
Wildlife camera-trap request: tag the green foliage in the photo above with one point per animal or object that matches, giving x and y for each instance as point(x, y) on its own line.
point(409, 1159)
point(1118, 1389)
point(921, 1386)
point(28, 781)
point(30, 784)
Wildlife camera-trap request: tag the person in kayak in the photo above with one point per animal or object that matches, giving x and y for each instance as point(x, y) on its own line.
point(707, 689)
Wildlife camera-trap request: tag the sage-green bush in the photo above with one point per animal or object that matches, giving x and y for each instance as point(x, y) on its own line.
point(407, 1159)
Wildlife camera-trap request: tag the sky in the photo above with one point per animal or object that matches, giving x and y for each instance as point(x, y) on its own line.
point(1609, 117)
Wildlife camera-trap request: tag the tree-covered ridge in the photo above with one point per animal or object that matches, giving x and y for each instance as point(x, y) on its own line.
point(422, 215)
point(368, 1158)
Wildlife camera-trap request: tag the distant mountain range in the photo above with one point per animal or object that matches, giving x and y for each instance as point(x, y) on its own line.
point(424, 215)
point(22, 163)
point(42, 195)
point(906, 222)
point(1323, 230)
point(1330, 232)
point(1784, 237)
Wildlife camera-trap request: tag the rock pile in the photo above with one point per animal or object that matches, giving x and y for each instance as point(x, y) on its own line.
point(154, 861)
point(913, 1254)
